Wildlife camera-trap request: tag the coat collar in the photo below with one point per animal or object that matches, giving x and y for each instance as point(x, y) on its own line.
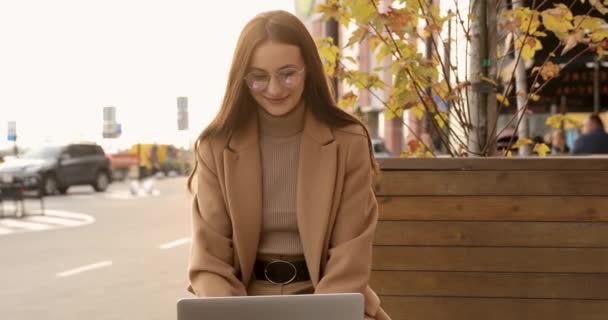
point(317, 168)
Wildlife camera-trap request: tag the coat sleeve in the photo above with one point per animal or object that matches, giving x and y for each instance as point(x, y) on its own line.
point(349, 261)
point(211, 270)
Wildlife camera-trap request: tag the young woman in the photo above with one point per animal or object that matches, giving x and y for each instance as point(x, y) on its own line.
point(283, 178)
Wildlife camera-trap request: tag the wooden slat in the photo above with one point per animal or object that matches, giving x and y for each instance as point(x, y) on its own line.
point(496, 285)
point(512, 183)
point(490, 259)
point(422, 308)
point(509, 208)
point(586, 163)
point(506, 234)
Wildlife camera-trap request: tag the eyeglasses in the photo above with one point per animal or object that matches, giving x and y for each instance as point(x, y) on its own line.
point(258, 81)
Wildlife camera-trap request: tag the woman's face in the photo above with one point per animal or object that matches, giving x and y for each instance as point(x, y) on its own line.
point(276, 77)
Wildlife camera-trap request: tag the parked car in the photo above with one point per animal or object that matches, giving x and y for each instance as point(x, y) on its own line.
point(51, 169)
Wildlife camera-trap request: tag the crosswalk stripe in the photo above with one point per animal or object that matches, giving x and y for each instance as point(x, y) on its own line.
point(69, 215)
point(35, 220)
point(54, 220)
point(23, 224)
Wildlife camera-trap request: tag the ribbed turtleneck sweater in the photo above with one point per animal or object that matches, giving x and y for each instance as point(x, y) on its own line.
point(279, 148)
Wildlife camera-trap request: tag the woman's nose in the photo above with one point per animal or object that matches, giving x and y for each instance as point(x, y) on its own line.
point(274, 87)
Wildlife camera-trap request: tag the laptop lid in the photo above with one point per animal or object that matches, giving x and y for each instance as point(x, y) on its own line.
point(341, 306)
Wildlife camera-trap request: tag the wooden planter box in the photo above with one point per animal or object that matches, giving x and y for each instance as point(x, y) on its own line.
point(493, 238)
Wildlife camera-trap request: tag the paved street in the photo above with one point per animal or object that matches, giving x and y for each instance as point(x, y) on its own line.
point(96, 256)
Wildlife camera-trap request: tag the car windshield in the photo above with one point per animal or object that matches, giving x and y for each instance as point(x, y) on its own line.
point(47, 152)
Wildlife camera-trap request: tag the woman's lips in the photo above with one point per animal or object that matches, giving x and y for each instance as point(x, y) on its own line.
point(276, 100)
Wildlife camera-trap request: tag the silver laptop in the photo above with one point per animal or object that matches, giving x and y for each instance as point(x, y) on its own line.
point(341, 306)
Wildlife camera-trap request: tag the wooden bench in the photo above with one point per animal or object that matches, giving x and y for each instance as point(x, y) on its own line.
point(493, 238)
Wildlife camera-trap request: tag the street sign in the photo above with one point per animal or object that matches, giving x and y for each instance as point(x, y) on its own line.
point(182, 113)
point(111, 129)
point(12, 131)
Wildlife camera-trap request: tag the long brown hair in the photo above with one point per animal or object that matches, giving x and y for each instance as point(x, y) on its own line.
point(282, 27)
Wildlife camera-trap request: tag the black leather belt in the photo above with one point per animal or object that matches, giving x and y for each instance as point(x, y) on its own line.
point(281, 272)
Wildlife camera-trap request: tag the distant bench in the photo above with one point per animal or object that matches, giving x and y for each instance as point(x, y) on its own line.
point(493, 238)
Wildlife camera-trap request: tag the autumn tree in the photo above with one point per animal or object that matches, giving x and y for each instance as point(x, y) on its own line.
point(420, 82)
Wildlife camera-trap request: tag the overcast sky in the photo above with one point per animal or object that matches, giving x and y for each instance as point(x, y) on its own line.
point(62, 61)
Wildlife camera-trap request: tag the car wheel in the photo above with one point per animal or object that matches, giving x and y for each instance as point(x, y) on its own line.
point(102, 181)
point(49, 185)
point(63, 190)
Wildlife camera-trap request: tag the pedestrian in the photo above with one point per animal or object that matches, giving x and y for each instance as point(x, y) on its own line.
point(594, 139)
point(283, 199)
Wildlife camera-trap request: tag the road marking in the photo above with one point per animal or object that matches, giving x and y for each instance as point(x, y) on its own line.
point(23, 224)
point(69, 215)
point(5, 231)
point(175, 243)
point(51, 219)
point(55, 220)
point(84, 268)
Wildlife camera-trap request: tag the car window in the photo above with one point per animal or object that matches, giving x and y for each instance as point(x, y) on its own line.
point(46, 152)
point(98, 150)
point(77, 151)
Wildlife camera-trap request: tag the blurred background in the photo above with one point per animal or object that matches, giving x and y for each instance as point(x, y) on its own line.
point(99, 104)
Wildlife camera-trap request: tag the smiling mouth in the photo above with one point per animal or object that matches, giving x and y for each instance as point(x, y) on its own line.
point(275, 100)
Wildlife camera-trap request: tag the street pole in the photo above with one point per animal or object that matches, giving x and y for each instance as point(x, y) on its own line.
point(596, 87)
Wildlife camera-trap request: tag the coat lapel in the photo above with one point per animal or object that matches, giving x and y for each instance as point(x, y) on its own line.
point(315, 190)
point(243, 173)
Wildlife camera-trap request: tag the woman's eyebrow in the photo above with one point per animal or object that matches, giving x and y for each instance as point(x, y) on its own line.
point(287, 66)
point(279, 69)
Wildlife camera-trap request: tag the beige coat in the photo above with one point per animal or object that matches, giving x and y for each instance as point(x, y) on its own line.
point(335, 206)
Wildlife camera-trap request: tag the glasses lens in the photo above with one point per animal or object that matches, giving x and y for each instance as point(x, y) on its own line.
point(289, 77)
point(257, 81)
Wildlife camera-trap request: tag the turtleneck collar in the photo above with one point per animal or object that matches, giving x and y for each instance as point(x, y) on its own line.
point(282, 126)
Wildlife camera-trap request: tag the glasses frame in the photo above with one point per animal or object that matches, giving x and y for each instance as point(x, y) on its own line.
point(273, 74)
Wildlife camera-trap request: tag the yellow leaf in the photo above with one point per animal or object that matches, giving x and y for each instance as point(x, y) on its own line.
point(598, 6)
point(361, 10)
point(586, 22)
point(356, 37)
point(548, 70)
point(572, 39)
point(529, 47)
point(439, 118)
point(418, 111)
point(534, 97)
point(490, 80)
point(521, 142)
point(542, 149)
point(502, 100)
point(555, 121)
point(558, 19)
point(348, 100)
point(599, 35)
point(509, 154)
point(573, 121)
point(406, 154)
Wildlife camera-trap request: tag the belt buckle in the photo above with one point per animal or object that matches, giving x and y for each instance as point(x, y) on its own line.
point(278, 263)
